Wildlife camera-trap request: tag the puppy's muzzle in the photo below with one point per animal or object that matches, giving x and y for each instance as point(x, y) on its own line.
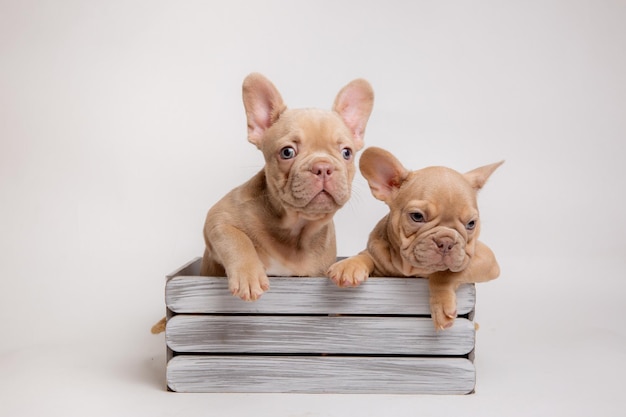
point(439, 250)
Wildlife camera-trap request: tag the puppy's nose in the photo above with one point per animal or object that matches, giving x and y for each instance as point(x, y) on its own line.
point(322, 169)
point(444, 244)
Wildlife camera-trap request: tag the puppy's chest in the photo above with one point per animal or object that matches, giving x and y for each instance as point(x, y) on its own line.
point(279, 269)
point(298, 266)
point(309, 252)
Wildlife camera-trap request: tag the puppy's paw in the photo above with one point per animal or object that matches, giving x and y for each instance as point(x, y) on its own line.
point(349, 272)
point(248, 284)
point(443, 308)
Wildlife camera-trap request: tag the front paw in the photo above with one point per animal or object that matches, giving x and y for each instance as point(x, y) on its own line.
point(248, 283)
point(443, 308)
point(349, 272)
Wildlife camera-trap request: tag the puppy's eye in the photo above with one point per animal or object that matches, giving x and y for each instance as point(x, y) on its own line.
point(417, 217)
point(471, 225)
point(346, 153)
point(287, 152)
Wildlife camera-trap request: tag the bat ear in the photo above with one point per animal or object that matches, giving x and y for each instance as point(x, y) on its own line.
point(354, 104)
point(383, 172)
point(479, 176)
point(263, 104)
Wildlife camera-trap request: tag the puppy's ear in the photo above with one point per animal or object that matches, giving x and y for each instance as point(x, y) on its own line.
point(354, 104)
point(479, 176)
point(383, 172)
point(263, 104)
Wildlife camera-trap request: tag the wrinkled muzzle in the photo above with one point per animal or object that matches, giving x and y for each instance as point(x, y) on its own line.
point(440, 249)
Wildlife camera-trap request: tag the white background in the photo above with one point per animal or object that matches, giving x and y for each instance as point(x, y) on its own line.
point(121, 123)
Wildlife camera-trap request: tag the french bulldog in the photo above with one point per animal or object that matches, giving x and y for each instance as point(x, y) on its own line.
point(431, 231)
point(280, 222)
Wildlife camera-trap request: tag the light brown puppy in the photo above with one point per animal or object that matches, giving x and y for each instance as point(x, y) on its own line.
point(280, 222)
point(431, 231)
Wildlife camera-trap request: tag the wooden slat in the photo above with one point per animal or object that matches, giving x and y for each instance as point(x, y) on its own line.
point(322, 374)
point(317, 335)
point(310, 295)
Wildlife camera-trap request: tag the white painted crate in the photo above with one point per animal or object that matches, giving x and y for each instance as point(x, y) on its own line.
point(306, 335)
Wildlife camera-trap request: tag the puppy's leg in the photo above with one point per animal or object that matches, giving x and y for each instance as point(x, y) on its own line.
point(234, 250)
point(442, 288)
point(483, 267)
point(159, 327)
point(351, 272)
point(209, 267)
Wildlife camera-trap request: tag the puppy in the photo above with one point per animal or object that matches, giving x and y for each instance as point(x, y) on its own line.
point(431, 231)
point(280, 222)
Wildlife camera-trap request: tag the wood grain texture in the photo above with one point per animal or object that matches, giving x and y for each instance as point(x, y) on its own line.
point(307, 335)
point(317, 335)
point(319, 374)
point(307, 295)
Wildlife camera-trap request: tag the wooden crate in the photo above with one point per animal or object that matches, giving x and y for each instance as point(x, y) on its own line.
point(306, 335)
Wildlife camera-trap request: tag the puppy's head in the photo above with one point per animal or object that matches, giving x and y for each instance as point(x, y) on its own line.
point(433, 218)
point(309, 153)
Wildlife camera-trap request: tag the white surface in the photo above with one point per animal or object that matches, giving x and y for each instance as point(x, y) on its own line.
point(121, 123)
